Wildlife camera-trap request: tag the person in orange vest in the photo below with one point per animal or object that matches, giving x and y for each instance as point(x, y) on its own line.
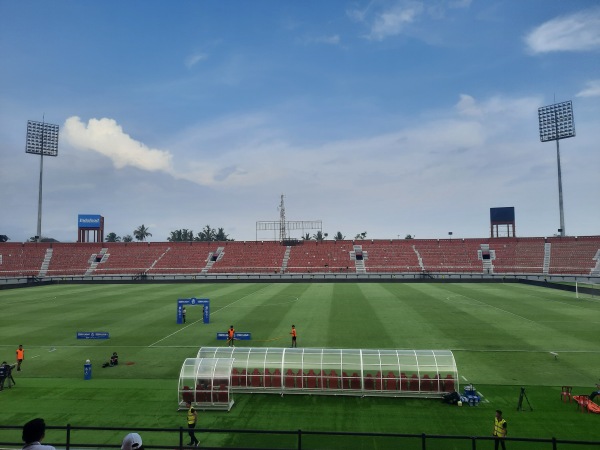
point(499, 430)
point(20, 357)
point(293, 333)
point(230, 336)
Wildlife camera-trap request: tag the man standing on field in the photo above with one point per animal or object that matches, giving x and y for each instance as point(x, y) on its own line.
point(499, 430)
point(20, 357)
point(192, 418)
point(230, 336)
point(293, 333)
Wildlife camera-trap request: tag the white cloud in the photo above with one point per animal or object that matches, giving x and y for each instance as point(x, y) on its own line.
point(331, 40)
point(194, 59)
point(467, 106)
point(393, 21)
point(513, 108)
point(575, 32)
point(106, 137)
point(592, 89)
point(387, 19)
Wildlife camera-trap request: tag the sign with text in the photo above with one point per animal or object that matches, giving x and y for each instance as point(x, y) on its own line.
point(92, 335)
point(204, 302)
point(236, 336)
point(89, 221)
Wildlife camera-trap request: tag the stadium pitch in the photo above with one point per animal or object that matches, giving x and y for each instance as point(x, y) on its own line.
point(504, 337)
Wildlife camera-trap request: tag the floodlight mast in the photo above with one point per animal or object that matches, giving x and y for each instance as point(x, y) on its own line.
point(42, 139)
point(282, 231)
point(556, 122)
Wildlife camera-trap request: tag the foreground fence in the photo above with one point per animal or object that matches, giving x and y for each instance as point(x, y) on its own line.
point(175, 438)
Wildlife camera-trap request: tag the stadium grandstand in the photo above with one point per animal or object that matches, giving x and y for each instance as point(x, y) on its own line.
point(486, 257)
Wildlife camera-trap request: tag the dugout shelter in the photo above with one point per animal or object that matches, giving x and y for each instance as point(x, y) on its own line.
point(206, 383)
point(386, 373)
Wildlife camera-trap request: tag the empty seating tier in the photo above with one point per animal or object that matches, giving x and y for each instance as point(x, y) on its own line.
point(556, 255)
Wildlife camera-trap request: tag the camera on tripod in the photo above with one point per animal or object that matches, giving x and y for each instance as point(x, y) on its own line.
point(522, 396)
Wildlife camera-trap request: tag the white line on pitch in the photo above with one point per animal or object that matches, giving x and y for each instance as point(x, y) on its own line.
point(175, 332)
point(239, 299)
point(495, 307)
point(463, 377)
point(35, 356)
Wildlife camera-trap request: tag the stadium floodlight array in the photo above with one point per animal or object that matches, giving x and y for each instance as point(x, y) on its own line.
point(42, 139)
point(556, 122)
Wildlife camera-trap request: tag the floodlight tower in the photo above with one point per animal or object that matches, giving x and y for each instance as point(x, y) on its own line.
point(556, 123)
point(42, 139)
point(282, 232)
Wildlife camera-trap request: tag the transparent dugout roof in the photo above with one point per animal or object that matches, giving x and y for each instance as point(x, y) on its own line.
point(433, 362)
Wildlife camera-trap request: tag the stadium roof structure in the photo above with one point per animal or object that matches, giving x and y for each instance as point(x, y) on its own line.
point(390, 373)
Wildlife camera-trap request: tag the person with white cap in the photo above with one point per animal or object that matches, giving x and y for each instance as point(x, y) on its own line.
point(132, 441)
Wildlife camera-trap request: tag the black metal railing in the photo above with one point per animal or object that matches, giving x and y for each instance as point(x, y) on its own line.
point(294, 439)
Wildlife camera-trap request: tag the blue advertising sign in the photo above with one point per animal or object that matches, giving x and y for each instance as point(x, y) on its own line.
point(204, 302)
point(88, 221)
point(92, 335)
point(237, 336)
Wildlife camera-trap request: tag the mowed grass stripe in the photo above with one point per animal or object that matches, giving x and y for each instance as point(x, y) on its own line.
point(328, 315)
point(541, 319)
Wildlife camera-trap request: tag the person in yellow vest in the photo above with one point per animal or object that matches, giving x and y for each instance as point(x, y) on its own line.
point(20, 357)
point(192, 418)
point(499, 430)
point(293, 333)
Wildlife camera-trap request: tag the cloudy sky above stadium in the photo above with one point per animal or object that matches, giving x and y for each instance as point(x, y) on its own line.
point(392, 117)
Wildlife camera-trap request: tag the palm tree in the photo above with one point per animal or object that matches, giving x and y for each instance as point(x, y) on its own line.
point(306, 237)
point(207, 234)
point(141, 233)
point(339, 236)
point(361, 236)
point(127, 238)
point(183, 235)
point(112, 237)
point(221, 235)
point(319, 236)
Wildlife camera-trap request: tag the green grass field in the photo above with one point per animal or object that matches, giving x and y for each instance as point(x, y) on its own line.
point(501, 336)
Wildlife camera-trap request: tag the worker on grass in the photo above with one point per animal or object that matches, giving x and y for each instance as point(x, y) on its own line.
point(230, 336)
point(293, 333)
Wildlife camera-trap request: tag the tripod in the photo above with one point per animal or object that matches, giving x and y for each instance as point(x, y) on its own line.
point(521, 396)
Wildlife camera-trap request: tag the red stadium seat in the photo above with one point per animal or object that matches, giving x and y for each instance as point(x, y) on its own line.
point(333, 380)
point(369, 383)
point(267, 381)
point(255, 378)
point(276, 379)
point(290, 379)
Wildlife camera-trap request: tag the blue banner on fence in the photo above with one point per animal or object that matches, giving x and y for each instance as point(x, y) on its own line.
point(92, 335)
point(237, 336)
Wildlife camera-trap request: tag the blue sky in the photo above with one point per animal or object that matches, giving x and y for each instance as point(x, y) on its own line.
point(391, 117)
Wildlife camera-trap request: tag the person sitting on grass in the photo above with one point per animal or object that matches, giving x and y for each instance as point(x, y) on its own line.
point(114, 361)
point(595, 393)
